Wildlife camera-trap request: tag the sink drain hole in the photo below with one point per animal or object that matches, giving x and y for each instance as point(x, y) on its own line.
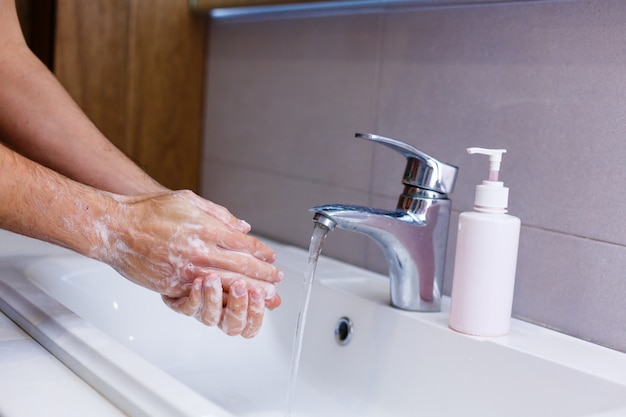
point(343, 331)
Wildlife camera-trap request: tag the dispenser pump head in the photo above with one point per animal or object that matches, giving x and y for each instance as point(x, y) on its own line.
point(491, 196)
point(495, 159)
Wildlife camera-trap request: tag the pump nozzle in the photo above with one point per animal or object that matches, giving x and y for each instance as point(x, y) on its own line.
point(491, 195)
point(495, 158)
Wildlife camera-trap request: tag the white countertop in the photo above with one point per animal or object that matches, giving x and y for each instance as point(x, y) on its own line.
point(35, 383)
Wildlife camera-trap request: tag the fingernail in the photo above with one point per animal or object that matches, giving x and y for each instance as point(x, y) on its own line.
point(239, 290)
point(256, 295)
point(243, 225)
point(280, 276)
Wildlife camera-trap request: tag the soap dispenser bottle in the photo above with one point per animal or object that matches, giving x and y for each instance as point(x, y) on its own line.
point(486, 258)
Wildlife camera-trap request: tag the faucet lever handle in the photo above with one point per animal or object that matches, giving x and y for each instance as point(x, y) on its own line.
point(422, 170)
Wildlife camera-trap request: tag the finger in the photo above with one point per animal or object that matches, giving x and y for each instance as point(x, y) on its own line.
point(189, 305)
point(270, 303)
point(219, 212)
point(213, 302)
point(269, 290)
point(194, 301)
point(239, 242)
point(234, 317)
point(273, 302)
point(256, 308)
point(245, 264)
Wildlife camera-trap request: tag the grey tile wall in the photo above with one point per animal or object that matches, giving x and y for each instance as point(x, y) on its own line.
point(546, 80)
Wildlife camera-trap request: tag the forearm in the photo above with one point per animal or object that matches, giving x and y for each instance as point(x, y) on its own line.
point(38, 202)
point(63, 182)
point(41, 121)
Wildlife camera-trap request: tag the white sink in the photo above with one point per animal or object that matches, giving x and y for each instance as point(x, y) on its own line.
point(396, 363)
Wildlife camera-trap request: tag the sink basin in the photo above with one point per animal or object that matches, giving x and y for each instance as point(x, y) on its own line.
point(396, 363)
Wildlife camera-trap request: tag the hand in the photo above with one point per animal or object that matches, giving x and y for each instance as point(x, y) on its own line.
point(238, 312)
point(165, 241)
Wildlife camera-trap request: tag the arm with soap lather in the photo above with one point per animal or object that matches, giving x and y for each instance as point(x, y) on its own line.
point(63, 182)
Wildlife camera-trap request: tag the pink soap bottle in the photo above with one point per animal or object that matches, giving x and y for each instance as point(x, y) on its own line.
point(486, 258)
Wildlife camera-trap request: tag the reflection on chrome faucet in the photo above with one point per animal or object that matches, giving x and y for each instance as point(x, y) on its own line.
point(413, 237)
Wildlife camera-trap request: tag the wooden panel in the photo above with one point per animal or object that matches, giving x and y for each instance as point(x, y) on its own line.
point(166, 70)
point(91, 61)
point(136, 68)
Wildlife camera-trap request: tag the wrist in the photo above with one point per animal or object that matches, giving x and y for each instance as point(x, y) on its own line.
point(103, 228)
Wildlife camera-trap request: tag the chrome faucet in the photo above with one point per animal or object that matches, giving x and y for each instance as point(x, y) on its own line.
point(413, 237)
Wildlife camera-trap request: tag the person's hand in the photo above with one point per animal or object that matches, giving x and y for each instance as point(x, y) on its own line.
point(167, 240)
point(238, 311)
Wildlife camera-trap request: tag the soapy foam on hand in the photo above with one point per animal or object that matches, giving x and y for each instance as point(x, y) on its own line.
point(177, 270)
point(215, 298)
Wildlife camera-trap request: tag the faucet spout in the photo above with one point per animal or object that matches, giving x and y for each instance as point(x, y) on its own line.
point(413, 243)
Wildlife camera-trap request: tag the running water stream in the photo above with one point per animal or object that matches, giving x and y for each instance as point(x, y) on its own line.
point(319, 233)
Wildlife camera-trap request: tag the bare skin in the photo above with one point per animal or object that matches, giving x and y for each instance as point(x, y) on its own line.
point(63, 182)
